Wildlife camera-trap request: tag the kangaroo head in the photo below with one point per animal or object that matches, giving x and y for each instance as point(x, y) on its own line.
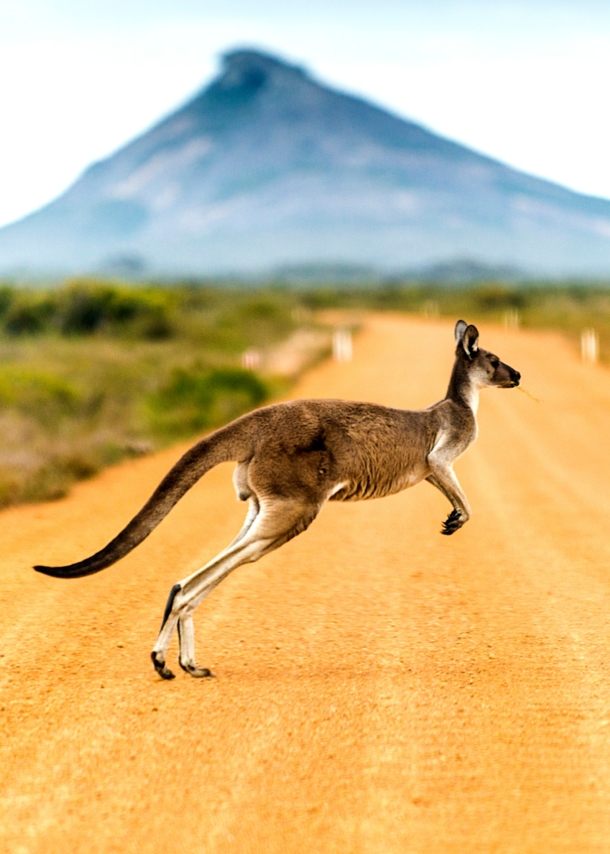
point(483, 368)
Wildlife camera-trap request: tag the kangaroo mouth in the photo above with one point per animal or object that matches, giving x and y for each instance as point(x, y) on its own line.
point(514, 378)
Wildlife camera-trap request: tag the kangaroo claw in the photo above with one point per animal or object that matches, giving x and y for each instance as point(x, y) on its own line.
point(163, 671)
point(452, 523)
point(197, 672)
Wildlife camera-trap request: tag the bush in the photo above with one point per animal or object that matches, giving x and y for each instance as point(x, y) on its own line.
point(28, 314)
point(7, 295)
point(194, 400)
point(43, 396)
point(498, 297)
point(84, 308)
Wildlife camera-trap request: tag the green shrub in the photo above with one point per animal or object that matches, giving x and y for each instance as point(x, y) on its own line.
point(495, 297)
point(84, 308)
point(195, 400)
point(7, 295)
point(43, 396)
point(28, 314)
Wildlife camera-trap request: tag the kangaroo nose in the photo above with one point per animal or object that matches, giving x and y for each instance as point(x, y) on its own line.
point(516, 377)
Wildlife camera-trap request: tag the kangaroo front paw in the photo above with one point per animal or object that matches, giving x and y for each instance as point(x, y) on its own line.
point(159, 665)
point(453, 521)
point(197, 672)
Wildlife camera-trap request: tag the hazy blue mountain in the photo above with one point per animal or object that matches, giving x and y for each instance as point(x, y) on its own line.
point(267, 168)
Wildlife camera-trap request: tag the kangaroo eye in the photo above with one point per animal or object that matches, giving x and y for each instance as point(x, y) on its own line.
point(494, 361)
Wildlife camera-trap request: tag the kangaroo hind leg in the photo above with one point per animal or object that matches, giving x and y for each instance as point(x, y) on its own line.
point(184, 624)
point(253, 511)
point(277, 521)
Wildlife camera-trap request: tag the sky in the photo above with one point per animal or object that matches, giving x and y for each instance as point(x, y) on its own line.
point(524, 82)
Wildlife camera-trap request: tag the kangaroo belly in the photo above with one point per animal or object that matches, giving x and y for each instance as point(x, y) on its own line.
point(365, 487)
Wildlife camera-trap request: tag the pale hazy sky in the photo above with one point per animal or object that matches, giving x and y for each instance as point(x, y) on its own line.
point(524, 81)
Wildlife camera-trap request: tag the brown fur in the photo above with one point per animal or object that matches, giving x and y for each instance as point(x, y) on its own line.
point(292, 457)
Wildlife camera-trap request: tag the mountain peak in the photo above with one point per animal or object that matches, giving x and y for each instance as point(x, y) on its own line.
point(247, 61)
point(247, 69)
point(266, 166)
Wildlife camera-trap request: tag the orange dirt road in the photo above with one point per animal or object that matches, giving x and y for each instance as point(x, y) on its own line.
point(379, 688)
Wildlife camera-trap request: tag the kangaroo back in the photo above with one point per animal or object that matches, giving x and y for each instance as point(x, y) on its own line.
point(220, 447)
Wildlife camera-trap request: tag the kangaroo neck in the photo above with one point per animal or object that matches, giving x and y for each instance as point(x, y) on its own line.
point(461, 388)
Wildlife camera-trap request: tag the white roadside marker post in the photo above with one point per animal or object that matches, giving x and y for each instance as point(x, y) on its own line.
point(342, 345)
point(589, 345)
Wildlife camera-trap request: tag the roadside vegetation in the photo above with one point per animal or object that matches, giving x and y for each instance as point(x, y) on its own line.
point(95, 371)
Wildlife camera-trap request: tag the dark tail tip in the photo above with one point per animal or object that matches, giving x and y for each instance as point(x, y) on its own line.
point(74, 571)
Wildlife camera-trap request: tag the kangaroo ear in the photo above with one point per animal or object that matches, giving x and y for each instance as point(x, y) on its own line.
point(460, 328)
point(470, 341)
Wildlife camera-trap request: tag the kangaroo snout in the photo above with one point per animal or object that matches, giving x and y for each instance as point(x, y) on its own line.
point(507, 377)
point(504, 376)
point(515, 377)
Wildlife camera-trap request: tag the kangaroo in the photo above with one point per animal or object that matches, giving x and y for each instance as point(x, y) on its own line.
point(293, 457)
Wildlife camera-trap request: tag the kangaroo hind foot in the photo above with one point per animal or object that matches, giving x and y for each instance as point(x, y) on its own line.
point(186, 660)
point(276, 522)
point(158, 655)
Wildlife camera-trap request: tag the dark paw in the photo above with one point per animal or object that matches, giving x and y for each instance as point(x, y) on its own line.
point(163, 671)
point(452, 523)
point(197, 672)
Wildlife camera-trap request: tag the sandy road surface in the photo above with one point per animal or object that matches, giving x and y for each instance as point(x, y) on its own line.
point(380, 688)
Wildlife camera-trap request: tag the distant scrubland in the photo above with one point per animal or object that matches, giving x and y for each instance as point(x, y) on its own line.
point(568, 308)
point(94, 371)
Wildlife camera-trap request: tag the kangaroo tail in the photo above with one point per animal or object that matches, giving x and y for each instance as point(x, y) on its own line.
point(203, 456)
